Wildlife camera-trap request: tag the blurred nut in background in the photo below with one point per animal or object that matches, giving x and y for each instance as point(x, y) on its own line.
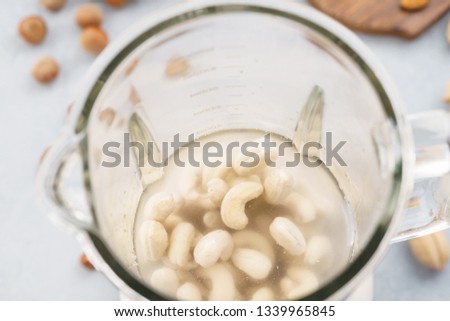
point(89, 14)
point(33, 29)
point(53, 5)
point(447, 93)
point(176, 67)
point(432, 251)
point(93, 40)
point(86, 263)
point(116, 3)
point(45, 70)
point(413, 5)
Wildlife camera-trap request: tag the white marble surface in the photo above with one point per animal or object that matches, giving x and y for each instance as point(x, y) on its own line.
point(40, 262)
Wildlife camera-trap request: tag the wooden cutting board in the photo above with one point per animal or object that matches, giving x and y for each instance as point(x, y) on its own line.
point(383, 16)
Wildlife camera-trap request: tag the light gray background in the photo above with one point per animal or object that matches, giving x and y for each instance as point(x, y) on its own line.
point(40, 262)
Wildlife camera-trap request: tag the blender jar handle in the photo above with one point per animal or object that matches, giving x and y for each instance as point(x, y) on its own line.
point(428, 209)
point(51, 179)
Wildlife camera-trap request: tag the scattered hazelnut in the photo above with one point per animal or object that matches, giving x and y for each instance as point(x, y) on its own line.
point(89, 14)
point(86, 263)
point(93, 39)
point(33, 29)
point(447, 93)
point(53, 5)
point(432, 251)
point(116, 3)
point(413, 5)
point(45, 70)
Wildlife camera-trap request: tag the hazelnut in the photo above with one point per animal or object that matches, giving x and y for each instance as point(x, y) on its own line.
point(89, 15)
point(86, 263)
point(93, 40)
point(45, 70)
point(116, 3)
point(432, 251)
point(33, 29)
point(413, 5)
point(53, 5)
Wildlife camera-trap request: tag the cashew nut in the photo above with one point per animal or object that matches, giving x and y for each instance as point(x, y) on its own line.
point(277, 186)
point(171, 221)
point(217, 188)
point(191, 189)
point(212, 220)
point(306, 283)
point(301, 207)
point(189, 292)
point(181, 240)
point(158, 206)
point(254, 240)
point(233, 204)
point(288, 235)
point(154, 237)
point(263, 294)
point(252, 262)
point(222, 286)
point(212, 246)
point(165, 280)
point(318, 250)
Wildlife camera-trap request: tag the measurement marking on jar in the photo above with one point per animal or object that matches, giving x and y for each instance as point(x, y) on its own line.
point(200, 72)
point(204, 91)
point(199, 52)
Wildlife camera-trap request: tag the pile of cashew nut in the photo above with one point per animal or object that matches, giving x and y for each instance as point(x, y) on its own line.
point(209, 242)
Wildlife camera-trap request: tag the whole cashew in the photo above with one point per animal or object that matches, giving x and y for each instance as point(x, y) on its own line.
point(318, 250)
point(181, 241)
point(301, 207)
point(222, 286)
point(165, 280)
point(263, 294)
point(254, 240)
point(158, 206)
point(189, 292)
point(277, 186)
point(305, 280)
point(191, 189)
point(212, 247)
point(232, 210)
point(252, 262)
point(171, 221)
point(288, 235)
point(154, 237)
point(217, 188)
